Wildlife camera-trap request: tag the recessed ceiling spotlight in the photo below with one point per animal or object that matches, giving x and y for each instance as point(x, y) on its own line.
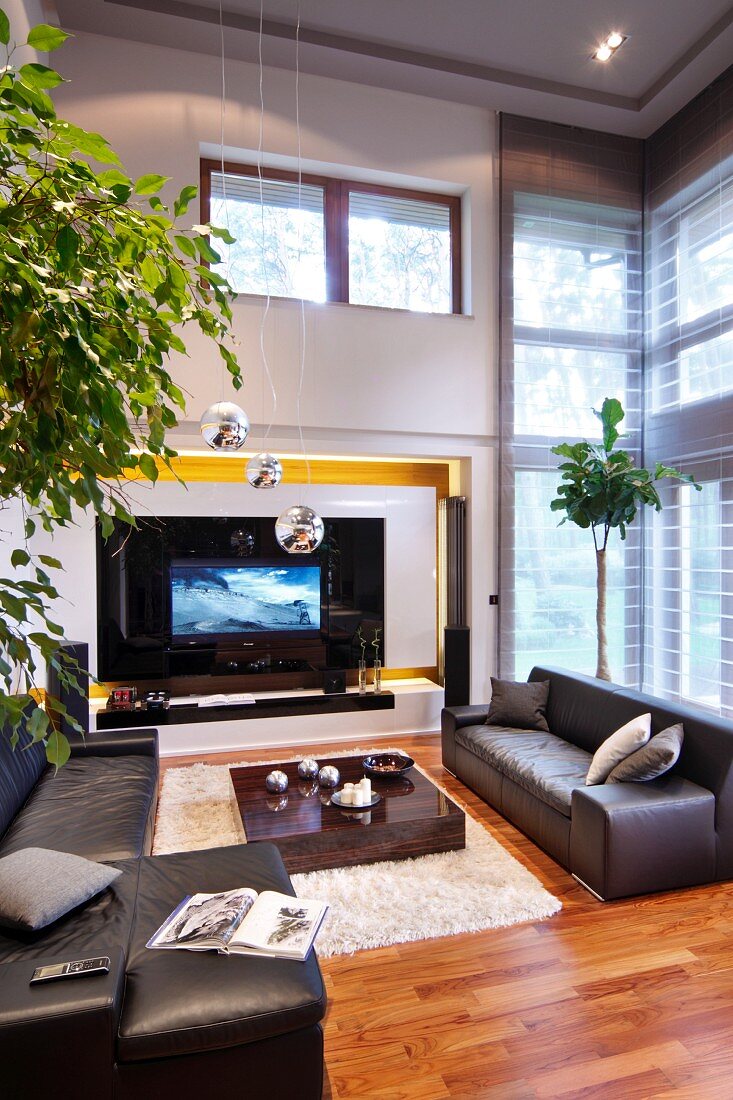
point(608, 47)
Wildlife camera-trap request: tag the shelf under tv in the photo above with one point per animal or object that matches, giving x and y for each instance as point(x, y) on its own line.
point(267, 706)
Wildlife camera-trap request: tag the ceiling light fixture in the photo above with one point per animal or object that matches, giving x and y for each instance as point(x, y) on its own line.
point(608, 47)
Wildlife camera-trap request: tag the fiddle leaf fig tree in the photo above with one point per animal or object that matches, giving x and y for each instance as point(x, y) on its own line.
point(96, 283)
point(602, 489)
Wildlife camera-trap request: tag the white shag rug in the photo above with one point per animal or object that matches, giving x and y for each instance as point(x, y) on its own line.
point(372, 905)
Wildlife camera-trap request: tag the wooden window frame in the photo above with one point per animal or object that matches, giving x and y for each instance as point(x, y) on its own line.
point(336, 194)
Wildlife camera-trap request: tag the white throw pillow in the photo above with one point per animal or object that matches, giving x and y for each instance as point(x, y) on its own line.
point(617, 747)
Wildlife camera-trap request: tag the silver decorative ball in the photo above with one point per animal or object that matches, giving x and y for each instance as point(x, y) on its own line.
point(308, 768)
point(329, 776)
point(299, 530)
point(224, 426)
point(264, 471)
point(277, 782)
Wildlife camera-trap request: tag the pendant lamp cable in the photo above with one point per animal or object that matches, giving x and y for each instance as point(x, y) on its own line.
point(300, 236)
point(222, 126)
point(265, 271)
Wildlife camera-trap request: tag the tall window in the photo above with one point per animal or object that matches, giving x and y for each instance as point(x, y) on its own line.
point(571, 336)
point(689, 261)
point(335, 240)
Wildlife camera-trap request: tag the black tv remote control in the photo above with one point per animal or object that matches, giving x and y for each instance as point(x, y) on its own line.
point(75, 969)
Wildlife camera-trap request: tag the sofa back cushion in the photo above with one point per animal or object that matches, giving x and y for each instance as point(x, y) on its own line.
point(581, 709)
point(20, 770)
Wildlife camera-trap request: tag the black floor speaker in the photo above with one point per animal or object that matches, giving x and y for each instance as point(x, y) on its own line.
point(457, 679)
point(76, 703)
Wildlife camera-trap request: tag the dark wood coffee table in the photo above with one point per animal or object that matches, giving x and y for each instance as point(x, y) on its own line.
point(413, 818)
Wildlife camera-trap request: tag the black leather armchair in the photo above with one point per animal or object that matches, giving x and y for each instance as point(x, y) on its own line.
point(618, 840)
point(168, 1024)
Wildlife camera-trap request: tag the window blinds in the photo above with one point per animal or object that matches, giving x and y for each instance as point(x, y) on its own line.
point(275, 193)
point(688, 567)
point(571, 334)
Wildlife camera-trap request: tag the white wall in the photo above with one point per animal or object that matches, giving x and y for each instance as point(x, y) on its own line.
point(377, 381)
point(24, 14)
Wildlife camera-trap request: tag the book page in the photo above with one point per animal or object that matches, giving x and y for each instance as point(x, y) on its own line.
point(280, 925)
point(205, 920)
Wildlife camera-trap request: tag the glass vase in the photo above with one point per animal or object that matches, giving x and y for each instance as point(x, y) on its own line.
point(377, 677)
point(362, 677)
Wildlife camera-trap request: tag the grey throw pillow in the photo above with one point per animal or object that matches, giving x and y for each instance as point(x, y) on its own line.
point(37, 886)
point(656, 757)
point(518, 705)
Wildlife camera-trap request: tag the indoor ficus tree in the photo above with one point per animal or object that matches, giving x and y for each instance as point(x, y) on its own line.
point(96, 281)
point(602, 489)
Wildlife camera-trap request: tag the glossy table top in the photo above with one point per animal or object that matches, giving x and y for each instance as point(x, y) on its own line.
point(305, 808)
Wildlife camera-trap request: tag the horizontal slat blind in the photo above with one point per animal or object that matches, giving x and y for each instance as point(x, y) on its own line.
point(571, 334)
point(688, 642)
point(276, 193)
point(399, 211)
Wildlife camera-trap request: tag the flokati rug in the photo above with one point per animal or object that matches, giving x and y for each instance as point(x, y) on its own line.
point(372, 905)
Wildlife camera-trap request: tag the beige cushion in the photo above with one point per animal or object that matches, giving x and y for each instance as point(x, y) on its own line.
point(654, 759)
point(617, 747)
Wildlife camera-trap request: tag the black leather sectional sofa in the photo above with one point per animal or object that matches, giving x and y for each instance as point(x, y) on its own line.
point(166, 1024)
point(619, 839)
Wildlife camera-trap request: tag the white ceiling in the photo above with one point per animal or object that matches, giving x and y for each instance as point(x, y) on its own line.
point(527, 56)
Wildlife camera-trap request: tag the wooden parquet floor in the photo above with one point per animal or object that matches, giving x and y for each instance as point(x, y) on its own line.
point(630, 1000)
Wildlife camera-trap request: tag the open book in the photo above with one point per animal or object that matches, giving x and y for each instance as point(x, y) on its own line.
point(237, 698)
point(243, 922)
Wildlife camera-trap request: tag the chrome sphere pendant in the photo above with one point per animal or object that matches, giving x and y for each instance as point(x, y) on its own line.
point(299, 530)
point(264, 471)
point(224, 426)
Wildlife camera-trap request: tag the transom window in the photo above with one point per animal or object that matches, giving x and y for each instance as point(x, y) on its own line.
point(334, 240)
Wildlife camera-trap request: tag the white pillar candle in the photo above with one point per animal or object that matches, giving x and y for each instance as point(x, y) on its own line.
point(366, 790)
point(358, 797)
point(347, 795)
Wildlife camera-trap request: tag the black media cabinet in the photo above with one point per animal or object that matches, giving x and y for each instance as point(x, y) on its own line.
point(272, 707)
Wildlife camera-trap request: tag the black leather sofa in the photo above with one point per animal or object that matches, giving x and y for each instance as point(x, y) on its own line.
point(170, 1025)
point(621, 839)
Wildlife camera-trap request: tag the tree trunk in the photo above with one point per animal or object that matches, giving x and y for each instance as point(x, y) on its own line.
point(602, 670)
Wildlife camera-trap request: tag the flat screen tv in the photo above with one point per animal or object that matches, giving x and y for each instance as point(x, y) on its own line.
point(216, 599)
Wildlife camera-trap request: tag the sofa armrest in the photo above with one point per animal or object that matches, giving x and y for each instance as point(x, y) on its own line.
point(452, 719)
point(132, 742)
point(58, 1039)
point(638, 838)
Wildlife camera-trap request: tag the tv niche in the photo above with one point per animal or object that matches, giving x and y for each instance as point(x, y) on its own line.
point(183, 598)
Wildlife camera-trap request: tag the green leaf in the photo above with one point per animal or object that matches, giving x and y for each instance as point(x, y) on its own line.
point(4, 28)
point(45, 38)
point(181, 204)
point(39, 76)
point(52, 563)
point(58, 749)
point(610, 415)
point(148, 467)
point(19, 557)
point(67, 244)
point(150, 184)
point(186, 246)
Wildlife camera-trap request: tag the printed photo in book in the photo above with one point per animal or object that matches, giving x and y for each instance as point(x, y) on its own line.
point(243, 922)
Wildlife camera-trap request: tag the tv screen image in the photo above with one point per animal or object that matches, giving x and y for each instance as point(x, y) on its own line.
point(240, 599)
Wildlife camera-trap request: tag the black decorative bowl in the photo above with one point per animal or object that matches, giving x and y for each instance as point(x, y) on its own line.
point(386, 765)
